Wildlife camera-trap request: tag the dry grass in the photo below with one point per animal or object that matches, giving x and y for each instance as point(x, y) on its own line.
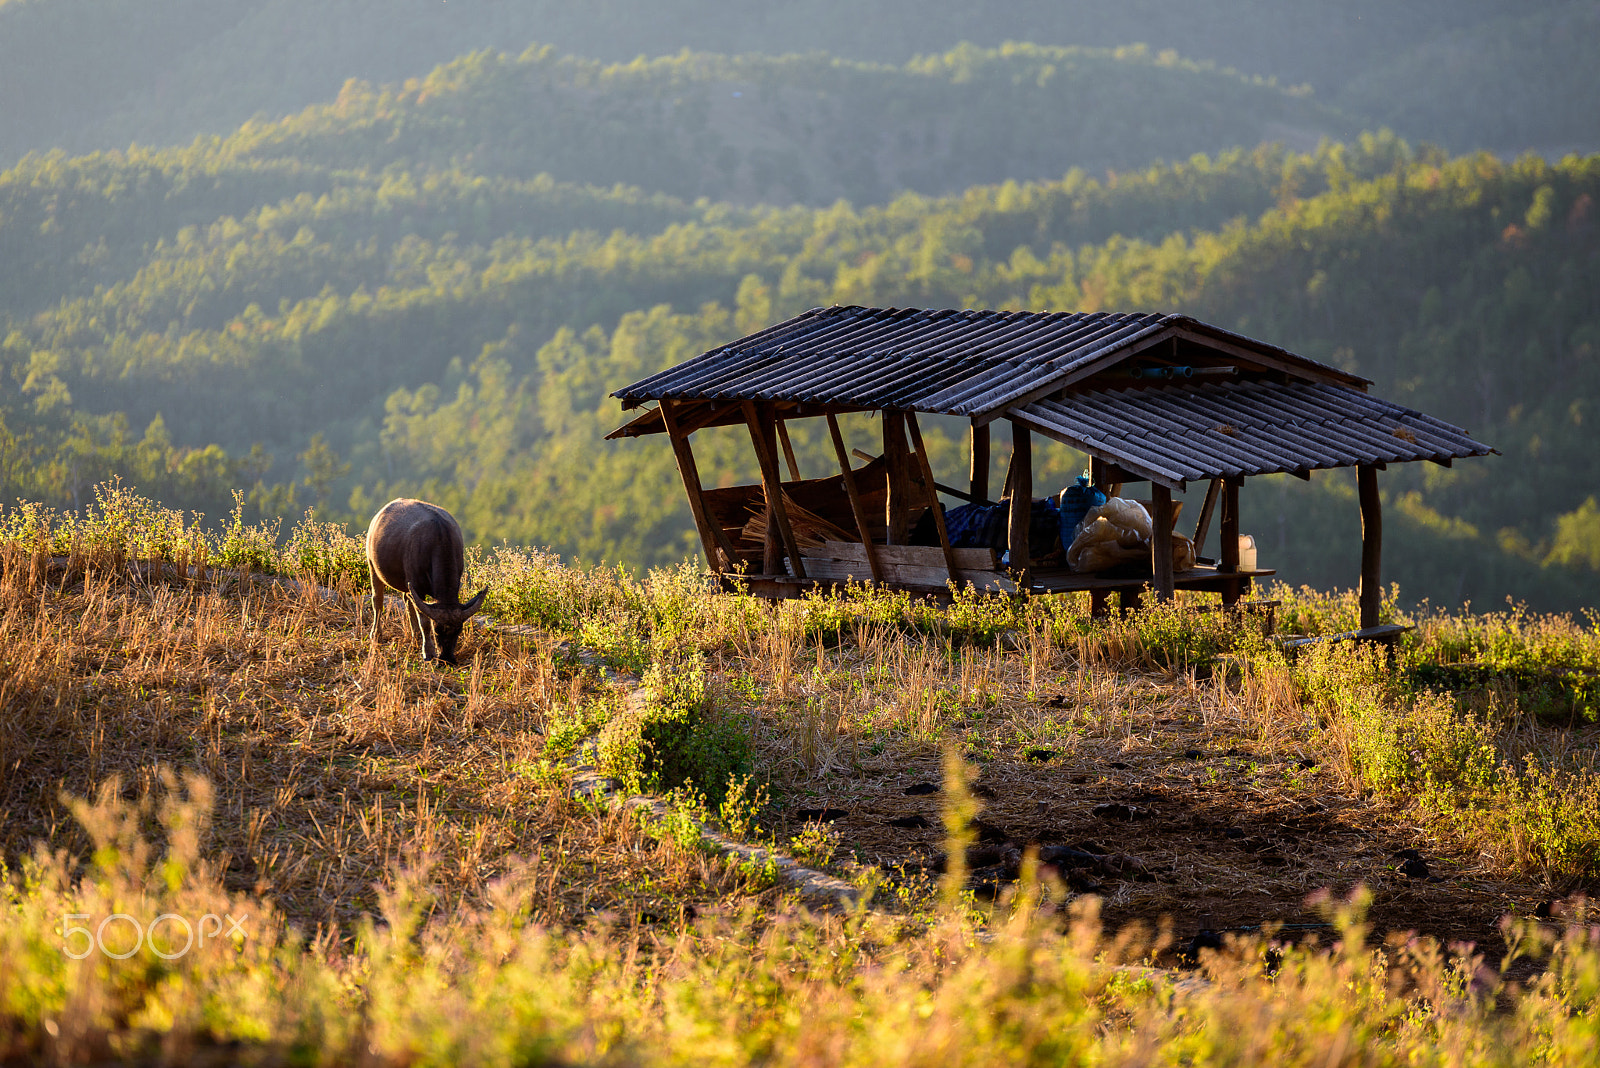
point(331, 760)
point(414, 821)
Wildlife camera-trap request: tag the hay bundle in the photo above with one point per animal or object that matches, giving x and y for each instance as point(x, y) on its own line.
point(810, 529)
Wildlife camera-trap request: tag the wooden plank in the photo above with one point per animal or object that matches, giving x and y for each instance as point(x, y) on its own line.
point(772, 550)
point(897, 509)
point(1371, 545)
point(1202, 526)
point(1228, 557)
point(788, 450)
point(921, 452)
point(1293, 370)
point(832, 570)
point(712, 537)
point(979, 474)
point(1161, 540)
point(856, 508)
point(1055, 580)
point(1099, 472)
point(1387, 633)
point(1021, 498)
point(960, 494)
point(917, 555)
point(762, 434)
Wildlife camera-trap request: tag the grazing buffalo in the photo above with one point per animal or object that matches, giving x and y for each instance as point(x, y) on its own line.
point(415, 548)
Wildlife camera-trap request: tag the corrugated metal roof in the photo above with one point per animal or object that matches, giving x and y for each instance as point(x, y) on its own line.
point(948, 361)
point(1203, 430)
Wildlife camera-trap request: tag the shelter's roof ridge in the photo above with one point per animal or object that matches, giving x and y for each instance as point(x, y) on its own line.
point(955, 361)
point(1176, 434)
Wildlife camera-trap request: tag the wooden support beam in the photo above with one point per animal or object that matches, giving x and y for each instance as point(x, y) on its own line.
point(959, 494)
point(1021, 499)
point(1202, 526)
point(772, 547)
point(979, 476)
point(1371, 544)
point(712, 537)
point(897, 506)
point(1228, 556)
point(788, 451)
point(763, 436)
point(921, 452)
point(857, 509)
point(1161, 540)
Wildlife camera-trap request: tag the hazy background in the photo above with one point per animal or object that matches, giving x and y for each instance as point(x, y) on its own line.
point(328, 253)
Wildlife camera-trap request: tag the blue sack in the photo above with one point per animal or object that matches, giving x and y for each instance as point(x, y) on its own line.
point(1076, 501)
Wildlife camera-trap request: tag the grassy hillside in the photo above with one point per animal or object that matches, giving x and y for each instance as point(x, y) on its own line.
point(91, 74)
point(1071, 840)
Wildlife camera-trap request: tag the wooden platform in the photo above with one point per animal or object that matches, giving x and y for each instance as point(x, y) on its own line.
point(921, 569)
point(1196, 578)
point(1383, 634)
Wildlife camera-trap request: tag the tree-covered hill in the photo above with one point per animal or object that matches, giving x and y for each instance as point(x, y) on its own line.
point(799, 129)
point(1524, 80)
point(454, 335)
point(87, 74)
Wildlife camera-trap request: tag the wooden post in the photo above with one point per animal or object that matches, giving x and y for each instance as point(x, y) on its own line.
point(1202, 526)
point(1161, 541)
point(788, 451)
point(771, 546)
point(856, 507)
point(1371, 544)
point(897, 508)
point(1228, 560)
point(762, 436)
point(979, 478)
point(1021, 500)
point(933, 493)
point(712, 537)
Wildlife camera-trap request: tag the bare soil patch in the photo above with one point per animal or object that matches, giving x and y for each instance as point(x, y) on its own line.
point(1161, 794)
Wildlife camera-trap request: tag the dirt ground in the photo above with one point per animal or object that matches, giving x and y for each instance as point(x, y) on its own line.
point(1176, 823)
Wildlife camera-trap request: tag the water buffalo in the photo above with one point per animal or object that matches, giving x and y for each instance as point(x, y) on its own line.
point(415, 548)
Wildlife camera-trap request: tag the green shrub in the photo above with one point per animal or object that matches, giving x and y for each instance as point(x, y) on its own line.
point(677, 737)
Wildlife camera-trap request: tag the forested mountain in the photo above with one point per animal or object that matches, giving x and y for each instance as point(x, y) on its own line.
point(805, 129)
point(431, 287)
point(423, 328)
point(86, 74)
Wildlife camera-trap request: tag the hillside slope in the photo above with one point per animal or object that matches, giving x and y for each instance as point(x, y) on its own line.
point(440, 334)
point(87, 74)
point(800, 129)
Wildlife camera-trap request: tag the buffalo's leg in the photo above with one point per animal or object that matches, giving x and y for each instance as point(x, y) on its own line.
point(424, 628)
point(377, 603)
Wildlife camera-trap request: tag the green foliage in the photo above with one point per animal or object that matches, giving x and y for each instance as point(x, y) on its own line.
point(453, 334)
point(1459, 759)
point(815, 845)
point(679, 737)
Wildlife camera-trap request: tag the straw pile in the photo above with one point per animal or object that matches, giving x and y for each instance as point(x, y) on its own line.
point(810, 529)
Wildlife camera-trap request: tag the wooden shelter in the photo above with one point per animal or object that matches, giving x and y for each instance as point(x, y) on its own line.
point(1161, 399)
